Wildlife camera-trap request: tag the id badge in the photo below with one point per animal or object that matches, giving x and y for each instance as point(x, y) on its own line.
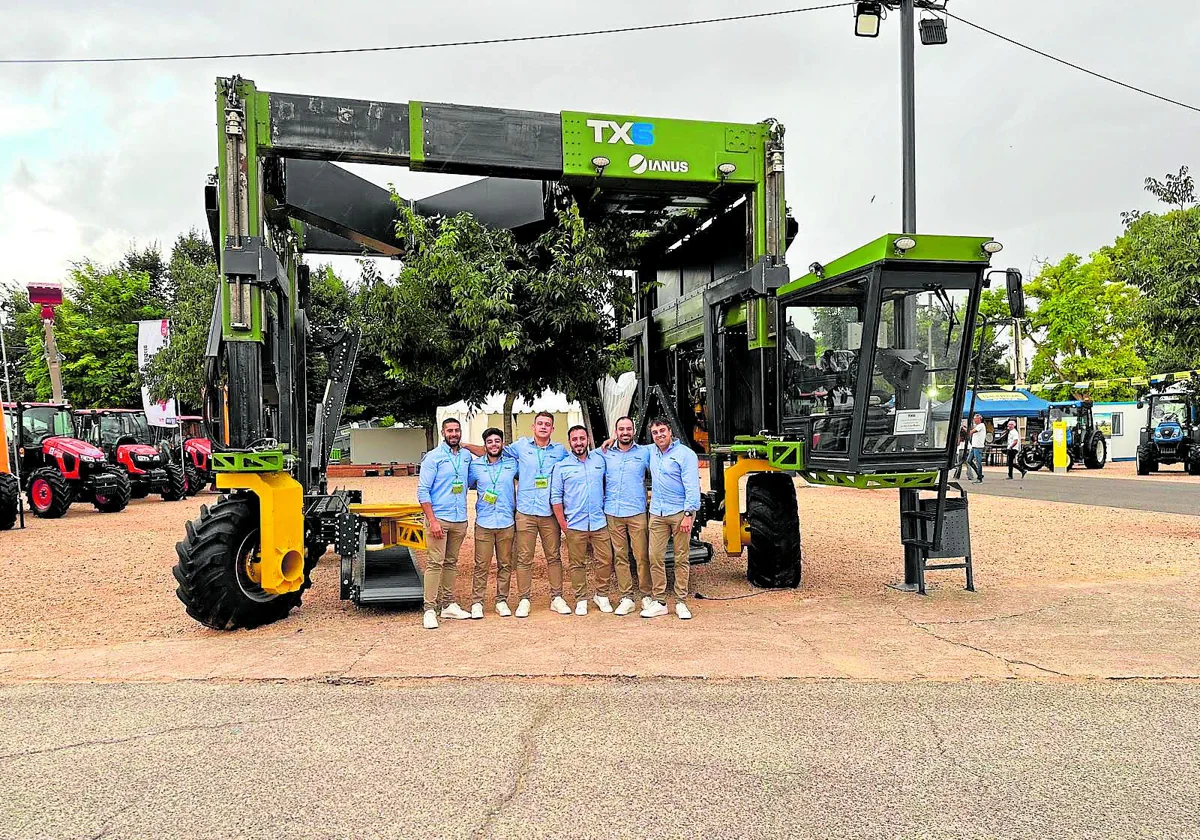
point(457, 487)
point(541, 482)
point(490, 496)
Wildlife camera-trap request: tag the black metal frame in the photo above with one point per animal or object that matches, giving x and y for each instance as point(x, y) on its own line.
point(879, 276)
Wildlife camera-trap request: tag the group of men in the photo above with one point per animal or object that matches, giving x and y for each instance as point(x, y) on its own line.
point(535, 490)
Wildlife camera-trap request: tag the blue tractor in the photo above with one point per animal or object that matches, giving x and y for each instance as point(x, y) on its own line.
point(1172, 432)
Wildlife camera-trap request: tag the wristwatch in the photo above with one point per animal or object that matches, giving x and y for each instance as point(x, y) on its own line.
point(689, 513)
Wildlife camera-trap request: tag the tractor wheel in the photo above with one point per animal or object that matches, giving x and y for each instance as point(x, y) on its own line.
point(194, 479)
point(216, 572)
point(116, 500)
point(176, 486)
point(1097, 454)
point(10, 493)
point(1193, 464)
point(773, 556)
point(49, 493)
point(1145, 461)
point(1028, 460)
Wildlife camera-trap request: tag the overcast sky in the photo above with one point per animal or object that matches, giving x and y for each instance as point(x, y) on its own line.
point(1041, 157)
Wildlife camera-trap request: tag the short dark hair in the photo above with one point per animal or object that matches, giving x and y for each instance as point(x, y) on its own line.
point(626, 417)
point(487, 433)
point(450, 420)
point(660, 421)
point(576, 426)
point(543, 414)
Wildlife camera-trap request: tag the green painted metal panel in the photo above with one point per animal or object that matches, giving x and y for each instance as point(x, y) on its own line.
point(929, 248)
point(659, 149)
point(268, 460)
point(760, 339)
point(872, 481)
point(416, 135)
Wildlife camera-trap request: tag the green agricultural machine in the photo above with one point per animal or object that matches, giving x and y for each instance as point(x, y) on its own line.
point(831, 377)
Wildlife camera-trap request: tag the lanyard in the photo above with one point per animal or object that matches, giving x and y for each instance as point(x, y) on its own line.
point(540, 453)
point(454, 462)
point(492, 474)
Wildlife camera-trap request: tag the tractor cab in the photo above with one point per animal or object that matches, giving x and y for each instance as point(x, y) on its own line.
point(189, 442)
point(124, 436)
point(1086, 444)
point(1172, 432)
point(870, 344)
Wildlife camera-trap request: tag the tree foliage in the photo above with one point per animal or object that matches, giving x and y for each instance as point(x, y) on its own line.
point(1086, 326)
point(16, 316)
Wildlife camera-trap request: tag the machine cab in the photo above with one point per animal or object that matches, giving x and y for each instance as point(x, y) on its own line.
point(870, 345)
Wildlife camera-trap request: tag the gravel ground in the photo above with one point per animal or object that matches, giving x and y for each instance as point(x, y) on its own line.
point(613, 758)
point(96, 580)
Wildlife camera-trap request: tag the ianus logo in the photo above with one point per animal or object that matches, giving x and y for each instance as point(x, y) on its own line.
point(629, 133)
point(641, 163)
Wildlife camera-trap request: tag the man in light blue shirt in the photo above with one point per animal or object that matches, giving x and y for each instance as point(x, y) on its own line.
point(577, 496)
point(534, 519)
point(674, 499)
point(493, 477)
point(625, 466)
point(442, 492)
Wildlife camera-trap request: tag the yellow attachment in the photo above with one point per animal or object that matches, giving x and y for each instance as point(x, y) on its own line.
point(1062, 458)
point(737, 533)
point(401, 523)
point(280, 528)
point(4, 461)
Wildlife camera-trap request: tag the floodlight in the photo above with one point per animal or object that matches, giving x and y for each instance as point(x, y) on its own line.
point(933, 30)
point(905, 243)
point(867, 16)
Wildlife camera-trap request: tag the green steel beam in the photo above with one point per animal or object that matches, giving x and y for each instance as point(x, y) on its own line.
point(929, 249)
point(269, 460)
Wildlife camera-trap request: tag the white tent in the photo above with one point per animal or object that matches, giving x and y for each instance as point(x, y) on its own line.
point(491, 413)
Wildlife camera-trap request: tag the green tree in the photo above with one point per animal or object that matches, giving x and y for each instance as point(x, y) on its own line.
point(17, 314)
point(96, 334)
point(1086, 326)
point(1160, 255)
point(474, 312)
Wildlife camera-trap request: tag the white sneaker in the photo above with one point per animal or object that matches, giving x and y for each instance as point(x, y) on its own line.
point(581, 608)
point(603, 603)
point(646, 602)
point(454, 611)
point(654, 610)
point(430, 620)
point(625, 607)
point(477, 611)
point(523, 608)
point(560, 606)
point(503, 610)
point(682, 611)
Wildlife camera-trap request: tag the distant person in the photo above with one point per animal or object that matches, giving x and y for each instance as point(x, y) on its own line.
point(964, 452)
point(1012, 448)
point(978, 442)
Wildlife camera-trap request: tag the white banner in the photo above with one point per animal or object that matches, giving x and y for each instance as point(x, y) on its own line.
point(152, 337)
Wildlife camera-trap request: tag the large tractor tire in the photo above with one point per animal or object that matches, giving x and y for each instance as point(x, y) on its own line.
point(1145, 460)
point(194, 479)
point(215, 568)
point(773, 556)
point(176, 486)
point(1193, 464)
point(10, 494)
point(1028, 459)
point(116, 499)
point(49, 493)
point(1096, 455)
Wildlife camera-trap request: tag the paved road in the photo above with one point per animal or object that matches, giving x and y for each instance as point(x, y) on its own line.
point(1161, 496)
point(657, 758)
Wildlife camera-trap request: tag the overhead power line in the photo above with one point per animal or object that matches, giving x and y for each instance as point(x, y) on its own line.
point(432, 46)
point(1072, 65)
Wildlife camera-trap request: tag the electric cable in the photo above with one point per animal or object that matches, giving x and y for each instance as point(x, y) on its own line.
point(700, 596)
point(431, 46)
point(1070, 64)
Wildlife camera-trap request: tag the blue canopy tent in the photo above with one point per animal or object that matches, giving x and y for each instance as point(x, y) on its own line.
point(997, 403)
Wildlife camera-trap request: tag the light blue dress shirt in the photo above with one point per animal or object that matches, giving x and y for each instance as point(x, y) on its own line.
point(498, 478)
point(440, 469)
point(674, 480)
point(579, 487)
point(534, 461)
point(625, 480)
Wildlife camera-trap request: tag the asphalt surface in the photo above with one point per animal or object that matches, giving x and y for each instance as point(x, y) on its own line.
point(601, 758)
point(1161, 496)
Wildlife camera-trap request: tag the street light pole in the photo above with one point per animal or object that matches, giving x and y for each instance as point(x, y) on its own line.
point(908, 115)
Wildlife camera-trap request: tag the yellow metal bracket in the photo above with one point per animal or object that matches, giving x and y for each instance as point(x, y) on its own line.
point(401, 523)
point(281, 527)
point(736, 531)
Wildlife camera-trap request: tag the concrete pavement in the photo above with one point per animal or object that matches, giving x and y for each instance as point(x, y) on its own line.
point(601, 758)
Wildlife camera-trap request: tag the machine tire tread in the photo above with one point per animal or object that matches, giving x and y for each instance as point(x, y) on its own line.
point(119, 500)
point(773, 557)
point(61, 494)
point(10, 494)
point(176, 486)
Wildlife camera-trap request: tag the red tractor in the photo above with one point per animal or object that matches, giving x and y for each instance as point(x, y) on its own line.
point(56, 466)
point(197, 451)
point(124, 436)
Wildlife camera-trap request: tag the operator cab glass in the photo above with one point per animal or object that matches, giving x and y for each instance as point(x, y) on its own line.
point(41, 422)
point(1172, 409)
point(113, 427)
point(866, 357)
